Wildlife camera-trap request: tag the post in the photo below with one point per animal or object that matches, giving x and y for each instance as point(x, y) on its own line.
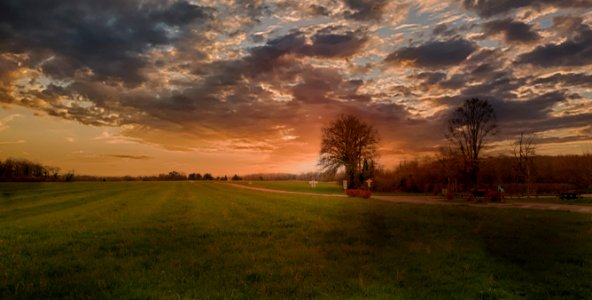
point(345, 184)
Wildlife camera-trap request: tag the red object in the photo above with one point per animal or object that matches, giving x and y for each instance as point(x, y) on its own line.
point(493, 196)
point(358, 193)
point(450, 196)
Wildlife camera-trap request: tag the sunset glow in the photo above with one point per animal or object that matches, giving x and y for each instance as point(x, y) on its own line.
point(143, 87)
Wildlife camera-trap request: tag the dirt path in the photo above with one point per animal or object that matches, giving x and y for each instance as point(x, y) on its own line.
point(282, 192)
point(432, 200)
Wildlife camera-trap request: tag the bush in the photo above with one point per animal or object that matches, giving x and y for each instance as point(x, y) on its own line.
point(358, 193)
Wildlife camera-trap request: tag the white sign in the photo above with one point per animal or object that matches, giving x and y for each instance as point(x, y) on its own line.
point(313, 183)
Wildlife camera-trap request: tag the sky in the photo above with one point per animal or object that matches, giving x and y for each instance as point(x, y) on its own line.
point(138, 87)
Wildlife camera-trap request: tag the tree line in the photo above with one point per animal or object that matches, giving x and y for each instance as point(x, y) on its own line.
point(349, 145)
point(547, 175)
point(23, 170)
point(13, 169)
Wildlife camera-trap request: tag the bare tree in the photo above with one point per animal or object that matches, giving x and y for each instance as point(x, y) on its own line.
point(468, 129)
point(524, 152)
point(449, 161)
point(348, 142)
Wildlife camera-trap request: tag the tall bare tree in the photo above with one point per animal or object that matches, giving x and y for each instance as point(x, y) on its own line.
point(468, 129)
point(348, 142)
point(524, 152)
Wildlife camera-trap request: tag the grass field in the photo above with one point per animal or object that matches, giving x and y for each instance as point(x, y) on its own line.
point(207, 240)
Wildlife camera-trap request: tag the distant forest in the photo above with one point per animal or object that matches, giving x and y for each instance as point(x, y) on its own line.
point(548, 174)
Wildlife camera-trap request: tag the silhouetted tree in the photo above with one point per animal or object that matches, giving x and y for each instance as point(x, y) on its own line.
point(208, 176)
point(236, 177)
point(348, 142)
point(194, 176)
point(524, 152)
point(69, 176)
point(174, 175)
point(468, 129)
point(449, 162)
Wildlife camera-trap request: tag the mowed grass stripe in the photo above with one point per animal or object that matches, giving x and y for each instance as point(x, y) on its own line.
point(208, 240)
point(61, 203)
point(83, 194)
point(36, 193)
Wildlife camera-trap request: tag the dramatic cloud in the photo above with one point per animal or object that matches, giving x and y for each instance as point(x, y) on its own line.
point(434, 54)
point(488, 8)
point(576, 51)
point(256, 80)
point(568, 79)
point(512, 31)
point(365, 9)
point(108, 38)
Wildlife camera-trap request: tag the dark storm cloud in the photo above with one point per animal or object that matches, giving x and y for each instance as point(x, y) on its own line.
point(536, 108)
point(335, 45)
point(513, 31)
point(327, 86)
point(233, 96)
point(568, 79)
point(443, 30)
point(576, 51)
point(324, 43)
point(275, 55)
point(107, 37)
point(489, 8)
point(499, 84)
point(365, 10)
point(450, 31)
point(455, 82)
point(430, 78)
point(434, 54)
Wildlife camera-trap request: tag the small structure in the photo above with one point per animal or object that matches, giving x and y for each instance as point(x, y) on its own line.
point(369, 183)
point(345, 184)
point(313, 183)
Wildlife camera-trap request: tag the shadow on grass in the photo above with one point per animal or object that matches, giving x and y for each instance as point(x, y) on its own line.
point(540, 256)
point(451, 252)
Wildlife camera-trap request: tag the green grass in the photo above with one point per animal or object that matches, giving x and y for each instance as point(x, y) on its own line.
point(208, 240)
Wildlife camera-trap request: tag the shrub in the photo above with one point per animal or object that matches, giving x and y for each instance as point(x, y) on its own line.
point(358, 193)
